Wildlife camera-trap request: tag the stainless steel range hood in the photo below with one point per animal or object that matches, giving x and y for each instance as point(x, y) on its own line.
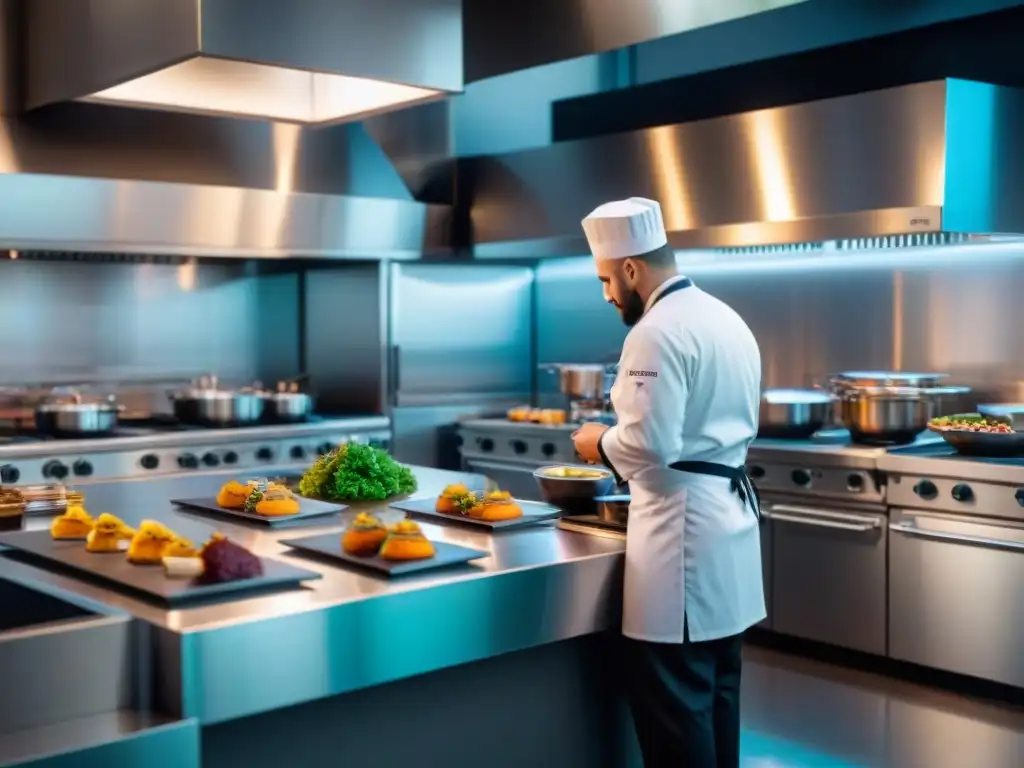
point(304, 61)
point(939, 159)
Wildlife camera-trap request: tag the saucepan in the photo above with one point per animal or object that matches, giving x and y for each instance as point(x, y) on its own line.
point(71, 415)
point(891, 415)
point(613, 509)
point(287, 404)
point(794, 414)
point(206, 404)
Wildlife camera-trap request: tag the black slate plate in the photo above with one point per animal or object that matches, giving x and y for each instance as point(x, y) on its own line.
point(308, 508)
point(533, 512)
point(328, 545)
point(150, 580)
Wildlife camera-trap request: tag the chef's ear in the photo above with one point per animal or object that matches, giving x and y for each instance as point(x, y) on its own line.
point(629, 269)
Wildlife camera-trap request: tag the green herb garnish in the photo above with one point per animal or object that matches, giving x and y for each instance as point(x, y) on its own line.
point(357, 472)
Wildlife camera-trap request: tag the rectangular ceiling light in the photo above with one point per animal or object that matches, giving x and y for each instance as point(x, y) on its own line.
point(228, 87)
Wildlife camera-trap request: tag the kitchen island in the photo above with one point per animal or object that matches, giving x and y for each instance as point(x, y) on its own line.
point(503, 661)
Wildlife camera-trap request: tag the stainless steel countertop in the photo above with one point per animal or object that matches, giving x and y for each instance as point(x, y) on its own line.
point(183, 438)
point(348, 630)
point(535, 547)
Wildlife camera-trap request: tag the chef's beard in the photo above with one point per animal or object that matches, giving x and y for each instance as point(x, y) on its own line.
point(632, 309)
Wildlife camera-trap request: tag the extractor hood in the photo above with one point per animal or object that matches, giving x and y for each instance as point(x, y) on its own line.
point(929, 162)
point(303, 61)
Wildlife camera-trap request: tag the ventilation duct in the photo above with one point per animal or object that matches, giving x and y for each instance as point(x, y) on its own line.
point(303, 61)
point(937, 158)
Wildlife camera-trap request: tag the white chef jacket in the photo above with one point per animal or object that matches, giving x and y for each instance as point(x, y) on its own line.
point(688, 388)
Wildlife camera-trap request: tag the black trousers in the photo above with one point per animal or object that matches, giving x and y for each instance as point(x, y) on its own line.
point(685, 700)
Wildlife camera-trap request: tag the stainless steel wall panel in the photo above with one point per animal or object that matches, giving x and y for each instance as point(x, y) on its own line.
point(953, 310)
point(75, 322)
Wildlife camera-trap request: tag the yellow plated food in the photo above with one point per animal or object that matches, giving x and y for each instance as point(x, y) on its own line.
point(406, 541)
point(108, 534)
point(75, 523)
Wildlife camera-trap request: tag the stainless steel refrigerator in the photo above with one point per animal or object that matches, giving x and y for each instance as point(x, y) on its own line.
point(460, 345)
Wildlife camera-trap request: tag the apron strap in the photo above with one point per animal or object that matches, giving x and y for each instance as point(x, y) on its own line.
point(738, 478)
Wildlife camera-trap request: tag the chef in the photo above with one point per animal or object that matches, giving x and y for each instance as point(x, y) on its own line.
point(686, 399)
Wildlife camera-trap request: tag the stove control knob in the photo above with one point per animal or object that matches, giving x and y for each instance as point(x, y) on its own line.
point(1019, 496)
point(549, 449)
point(82, 468)
point(324, 448)
point(801, 477)
point(230, 457)
point(962, 492)
point(755, 472)
point(855, 482)
point(297, 452)
point(264, 454)
point(9, 474)
point(188, 461)
point(519, 447)
point(485, 443)
point(55, 469)
point(149, 461)
point(926, 490)
point(211, 459)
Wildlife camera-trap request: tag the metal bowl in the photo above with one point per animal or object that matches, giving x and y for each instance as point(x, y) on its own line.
point(793, 413)
point(575, 495)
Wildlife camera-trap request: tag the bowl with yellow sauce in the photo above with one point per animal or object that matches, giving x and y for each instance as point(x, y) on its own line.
point(573, 488)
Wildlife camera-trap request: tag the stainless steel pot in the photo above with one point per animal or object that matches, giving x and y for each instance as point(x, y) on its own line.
point(794, 413)
point(613, 509)
point(287, 404)
point(581, 382)
point(891, 415)
point(204, 404)
point(74, 416)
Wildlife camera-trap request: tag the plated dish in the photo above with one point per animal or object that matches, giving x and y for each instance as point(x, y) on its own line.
point(154, 544)
point(259, 497)
point(494, 506)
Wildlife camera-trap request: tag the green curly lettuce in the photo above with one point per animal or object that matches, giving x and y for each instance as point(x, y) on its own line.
point(357, 472)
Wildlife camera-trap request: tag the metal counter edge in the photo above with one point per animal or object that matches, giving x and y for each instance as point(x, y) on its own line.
point(236, 671)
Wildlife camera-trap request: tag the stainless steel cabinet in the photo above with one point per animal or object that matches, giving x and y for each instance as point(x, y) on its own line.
point(829, 574)
point(956, 594)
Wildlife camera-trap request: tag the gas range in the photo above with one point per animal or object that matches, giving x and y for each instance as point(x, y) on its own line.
point(162, 448)
point(939, 479)
point(827, 465)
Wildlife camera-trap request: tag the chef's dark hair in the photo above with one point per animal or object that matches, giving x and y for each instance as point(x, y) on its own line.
point(659, 258)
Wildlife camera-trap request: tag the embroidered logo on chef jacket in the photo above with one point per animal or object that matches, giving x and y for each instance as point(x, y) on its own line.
point(635, 373)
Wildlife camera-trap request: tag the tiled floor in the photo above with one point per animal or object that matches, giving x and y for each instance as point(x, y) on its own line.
point(799, 713)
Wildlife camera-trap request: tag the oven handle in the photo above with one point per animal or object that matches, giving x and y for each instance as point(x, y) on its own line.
point(862, 522)
point(820, 523)
point(976, 541)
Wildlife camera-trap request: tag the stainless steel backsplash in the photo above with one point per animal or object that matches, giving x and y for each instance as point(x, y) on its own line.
point(945, 314)
point(75, 322)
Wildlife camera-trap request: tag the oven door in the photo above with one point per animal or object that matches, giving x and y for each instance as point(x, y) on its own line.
point(516, 478)
point(829, 573)
point(956, 594)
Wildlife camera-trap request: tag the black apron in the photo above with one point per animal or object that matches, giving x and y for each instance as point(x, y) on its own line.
point(737, 476)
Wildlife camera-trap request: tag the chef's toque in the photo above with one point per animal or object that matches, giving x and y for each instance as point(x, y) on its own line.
point(624, 228)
